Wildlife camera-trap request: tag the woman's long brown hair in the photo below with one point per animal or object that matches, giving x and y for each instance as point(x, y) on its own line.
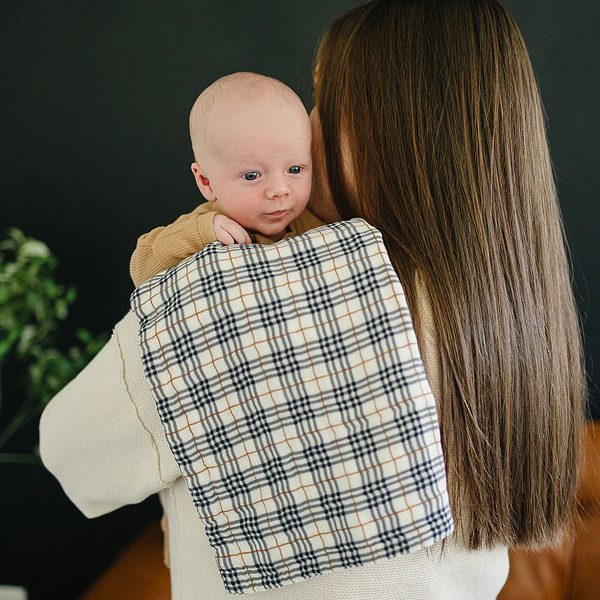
point(439, 106)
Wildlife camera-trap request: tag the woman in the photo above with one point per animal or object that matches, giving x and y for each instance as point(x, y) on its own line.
point(428, 125)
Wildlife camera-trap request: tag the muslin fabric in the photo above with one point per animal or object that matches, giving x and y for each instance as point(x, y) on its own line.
point(293, 396)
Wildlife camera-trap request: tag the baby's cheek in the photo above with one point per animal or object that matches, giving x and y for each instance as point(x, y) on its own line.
point(304, 190)
point(253, 209)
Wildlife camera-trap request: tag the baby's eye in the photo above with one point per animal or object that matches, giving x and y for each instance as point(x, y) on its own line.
point(250, 176)
point(295, 170)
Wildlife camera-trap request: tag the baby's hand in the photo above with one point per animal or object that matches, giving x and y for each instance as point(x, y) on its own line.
point(229, 232)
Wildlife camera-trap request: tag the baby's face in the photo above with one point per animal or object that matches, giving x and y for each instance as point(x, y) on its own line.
point(259, 162)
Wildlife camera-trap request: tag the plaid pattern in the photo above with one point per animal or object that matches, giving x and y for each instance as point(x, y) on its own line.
point(290, 385)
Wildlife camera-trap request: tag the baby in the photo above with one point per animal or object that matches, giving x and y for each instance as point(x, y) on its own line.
point(251, 138)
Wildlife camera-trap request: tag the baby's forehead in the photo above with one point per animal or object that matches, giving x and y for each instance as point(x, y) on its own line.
point(247, 105)
point(258, 115)
point(259, 133)
point(258, 109)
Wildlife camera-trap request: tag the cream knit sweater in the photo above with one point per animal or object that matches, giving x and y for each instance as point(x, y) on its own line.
point(103, 439)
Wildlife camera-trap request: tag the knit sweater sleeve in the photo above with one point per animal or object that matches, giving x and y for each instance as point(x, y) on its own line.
point(101, 436)
point(164, 247)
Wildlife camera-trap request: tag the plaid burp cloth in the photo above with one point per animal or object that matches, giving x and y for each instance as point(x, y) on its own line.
point(290, 385)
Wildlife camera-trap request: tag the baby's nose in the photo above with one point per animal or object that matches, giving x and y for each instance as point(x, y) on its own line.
point(278, 186)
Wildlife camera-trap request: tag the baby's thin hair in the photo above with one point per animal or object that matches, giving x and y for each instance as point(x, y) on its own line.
point(244, 84)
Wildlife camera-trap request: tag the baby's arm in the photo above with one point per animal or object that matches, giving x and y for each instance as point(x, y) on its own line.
point(165, 247)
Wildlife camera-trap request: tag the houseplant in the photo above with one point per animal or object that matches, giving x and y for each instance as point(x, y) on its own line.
point(53, 550)
point(32, 306)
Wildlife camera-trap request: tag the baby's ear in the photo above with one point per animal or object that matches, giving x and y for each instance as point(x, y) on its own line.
point(203, 182)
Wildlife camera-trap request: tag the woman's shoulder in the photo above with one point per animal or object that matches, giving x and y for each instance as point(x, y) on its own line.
point(427, 338)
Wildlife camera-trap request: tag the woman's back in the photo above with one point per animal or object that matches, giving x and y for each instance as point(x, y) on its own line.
point(80, 438)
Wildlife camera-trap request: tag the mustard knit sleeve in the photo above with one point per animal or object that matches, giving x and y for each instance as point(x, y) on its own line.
point(165, 247)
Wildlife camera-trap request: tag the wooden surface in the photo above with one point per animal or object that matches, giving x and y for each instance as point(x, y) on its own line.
point(138, 573)
point(571, 571)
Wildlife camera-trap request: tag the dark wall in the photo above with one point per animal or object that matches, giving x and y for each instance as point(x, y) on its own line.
point(95, 151)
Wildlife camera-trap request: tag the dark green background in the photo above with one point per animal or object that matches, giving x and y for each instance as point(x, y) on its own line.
point(95, 152)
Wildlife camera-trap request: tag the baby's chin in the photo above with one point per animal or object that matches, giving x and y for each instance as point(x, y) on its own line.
point(271, 229)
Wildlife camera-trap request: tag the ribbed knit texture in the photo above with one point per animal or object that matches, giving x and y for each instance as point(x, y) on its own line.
point(103, 440)
point(165, 247)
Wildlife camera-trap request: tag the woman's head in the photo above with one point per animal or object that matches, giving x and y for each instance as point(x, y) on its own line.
point(433, 131)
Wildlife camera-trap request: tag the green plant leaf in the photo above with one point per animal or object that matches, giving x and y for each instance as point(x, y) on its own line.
point(32, 304)
point(26, 338)
point(71, 295)
point(62, 310)
point(33, 248)
point(84, 335)
point(7, 343)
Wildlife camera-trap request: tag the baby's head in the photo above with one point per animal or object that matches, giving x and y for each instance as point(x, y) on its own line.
point(251, 137)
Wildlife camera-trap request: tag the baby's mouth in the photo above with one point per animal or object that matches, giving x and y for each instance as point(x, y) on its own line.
point(277, 214)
